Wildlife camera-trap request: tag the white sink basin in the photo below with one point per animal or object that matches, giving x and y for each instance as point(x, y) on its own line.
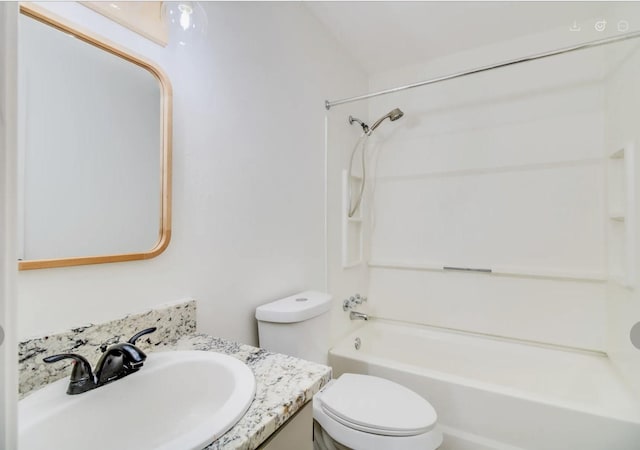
point(179, 400)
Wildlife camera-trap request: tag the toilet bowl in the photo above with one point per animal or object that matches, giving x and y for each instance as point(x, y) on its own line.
point(364, 412)
point(359, 412)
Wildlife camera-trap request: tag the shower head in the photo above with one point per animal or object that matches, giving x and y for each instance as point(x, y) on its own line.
point(393, 115)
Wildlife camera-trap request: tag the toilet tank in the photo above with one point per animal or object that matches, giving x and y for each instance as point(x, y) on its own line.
point(297, 325)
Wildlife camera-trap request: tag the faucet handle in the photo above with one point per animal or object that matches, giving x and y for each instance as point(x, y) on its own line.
point(358, 299)
point(350, 302)
point(82, 377)
point(138, 335)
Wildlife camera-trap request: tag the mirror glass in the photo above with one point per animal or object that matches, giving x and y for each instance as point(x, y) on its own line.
point(94, 155)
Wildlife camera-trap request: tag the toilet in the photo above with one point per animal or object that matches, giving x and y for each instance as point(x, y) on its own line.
point(354, 411)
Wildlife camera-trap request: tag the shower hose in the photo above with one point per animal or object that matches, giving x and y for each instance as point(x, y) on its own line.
point(353, 207)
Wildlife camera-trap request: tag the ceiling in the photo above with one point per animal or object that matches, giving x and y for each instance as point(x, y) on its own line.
point(383, 35)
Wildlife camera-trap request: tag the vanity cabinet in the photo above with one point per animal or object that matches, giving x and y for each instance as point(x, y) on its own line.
point(297, 432)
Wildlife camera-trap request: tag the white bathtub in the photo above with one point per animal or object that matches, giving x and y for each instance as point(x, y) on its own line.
point(497, 394)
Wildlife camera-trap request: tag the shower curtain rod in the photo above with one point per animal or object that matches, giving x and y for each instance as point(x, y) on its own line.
point(597, 43)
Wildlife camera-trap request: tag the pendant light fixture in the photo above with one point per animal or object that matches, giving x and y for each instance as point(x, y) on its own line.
point(187, 21)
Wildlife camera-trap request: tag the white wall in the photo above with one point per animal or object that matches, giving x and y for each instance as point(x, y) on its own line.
point(502, 170)
point(8, 129)
point(248, 215)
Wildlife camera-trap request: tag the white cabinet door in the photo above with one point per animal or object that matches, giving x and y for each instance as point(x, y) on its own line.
point(8, 263)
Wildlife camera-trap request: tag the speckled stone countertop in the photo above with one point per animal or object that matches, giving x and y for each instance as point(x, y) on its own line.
point(283, 385)
point(171, 320)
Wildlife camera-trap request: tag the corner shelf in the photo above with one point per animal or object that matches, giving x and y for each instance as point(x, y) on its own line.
point(621, 215)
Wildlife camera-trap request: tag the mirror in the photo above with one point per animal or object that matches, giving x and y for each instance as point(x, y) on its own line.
point(95, 148)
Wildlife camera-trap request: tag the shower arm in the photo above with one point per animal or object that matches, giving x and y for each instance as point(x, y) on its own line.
point(364, 126)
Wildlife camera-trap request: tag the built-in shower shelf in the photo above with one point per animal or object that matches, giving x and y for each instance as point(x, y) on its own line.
point(498, 271)
point(621, 229)
point(352, 227)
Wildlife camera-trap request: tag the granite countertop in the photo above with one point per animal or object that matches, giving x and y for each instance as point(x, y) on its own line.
point(283, 385)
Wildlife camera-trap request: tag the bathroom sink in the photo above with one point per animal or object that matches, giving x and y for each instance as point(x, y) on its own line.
point(179, 400)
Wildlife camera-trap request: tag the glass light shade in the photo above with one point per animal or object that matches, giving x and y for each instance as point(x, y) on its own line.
point(187, 21)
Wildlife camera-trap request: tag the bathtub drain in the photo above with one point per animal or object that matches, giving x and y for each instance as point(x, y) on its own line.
point(357, 343)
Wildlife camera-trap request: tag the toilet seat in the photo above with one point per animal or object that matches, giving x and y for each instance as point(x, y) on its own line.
point(379, 406)
point(365, 412)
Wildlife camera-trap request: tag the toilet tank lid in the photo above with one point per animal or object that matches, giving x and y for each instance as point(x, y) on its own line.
point(295, 308)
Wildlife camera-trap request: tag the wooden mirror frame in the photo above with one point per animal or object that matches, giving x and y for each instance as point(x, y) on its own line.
point(166, 97)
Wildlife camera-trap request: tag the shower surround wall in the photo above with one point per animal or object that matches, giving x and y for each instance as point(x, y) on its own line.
point(623, 295)
point(503, 170)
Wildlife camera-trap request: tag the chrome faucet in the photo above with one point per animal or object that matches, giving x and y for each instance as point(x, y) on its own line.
point(117, 361)
point(355, 315)
point(352, 301)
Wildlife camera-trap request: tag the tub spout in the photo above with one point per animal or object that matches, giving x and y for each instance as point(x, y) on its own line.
point(355, 315)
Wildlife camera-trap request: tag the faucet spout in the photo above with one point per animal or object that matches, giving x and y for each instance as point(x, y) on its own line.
point(355, 315)
point(121, 359)
point(117, 361)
